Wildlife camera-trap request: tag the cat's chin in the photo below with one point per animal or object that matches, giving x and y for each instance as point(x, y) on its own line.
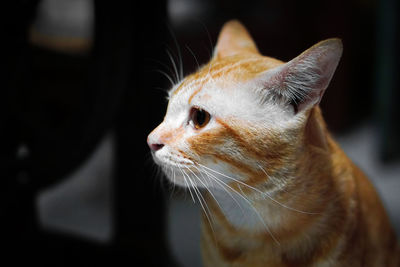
point(176, 180)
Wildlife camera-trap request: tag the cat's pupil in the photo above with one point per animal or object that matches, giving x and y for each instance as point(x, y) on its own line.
point(199, 117)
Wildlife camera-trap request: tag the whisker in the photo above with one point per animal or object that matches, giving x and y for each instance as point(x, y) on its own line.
point(157, 177)
point(255, 210)
point(187, 184)
point(210, 51)
point(205, 208)
point(222, 184)
point(201, 199)
point(165, 66)
point(195, 187)
point(166, 75)
point(161, 180)
point(174, 183)
point(259, 191)
point(208, 188)
point(280, 187)
point(205, 183)
point(171, 184)
point(179, 53)
point(281, 204)
point(177, 77)
point(195, 58)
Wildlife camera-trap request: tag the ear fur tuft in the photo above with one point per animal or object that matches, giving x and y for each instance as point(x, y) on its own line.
point(303, 80)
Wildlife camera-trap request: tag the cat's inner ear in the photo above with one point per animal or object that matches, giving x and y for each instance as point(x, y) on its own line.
point(234, 39)
point(302, 81)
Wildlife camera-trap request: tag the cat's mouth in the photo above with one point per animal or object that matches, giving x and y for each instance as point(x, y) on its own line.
point(171, 160)
point(176, 168)
point(181, 171)
point(184, 175)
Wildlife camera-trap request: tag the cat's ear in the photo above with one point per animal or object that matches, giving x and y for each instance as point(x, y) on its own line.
point(234, 39)
point(303, 80)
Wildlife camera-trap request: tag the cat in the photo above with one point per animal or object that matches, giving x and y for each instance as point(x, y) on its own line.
point(245, 135)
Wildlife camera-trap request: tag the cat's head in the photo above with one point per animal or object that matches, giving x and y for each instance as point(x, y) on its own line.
point(241, 116)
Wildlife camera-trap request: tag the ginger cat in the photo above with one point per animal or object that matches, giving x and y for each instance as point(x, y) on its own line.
point(246, 136)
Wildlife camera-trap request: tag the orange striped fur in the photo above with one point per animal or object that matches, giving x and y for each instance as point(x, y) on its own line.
point(275, 188)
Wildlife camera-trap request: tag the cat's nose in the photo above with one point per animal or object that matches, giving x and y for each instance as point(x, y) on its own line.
point(154, 146)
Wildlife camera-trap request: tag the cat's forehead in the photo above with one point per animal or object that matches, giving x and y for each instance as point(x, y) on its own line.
point(225, 73)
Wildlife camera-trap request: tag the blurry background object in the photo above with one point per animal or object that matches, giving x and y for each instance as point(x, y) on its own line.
point(387, 86)
point(64, 26)
point(74, 120)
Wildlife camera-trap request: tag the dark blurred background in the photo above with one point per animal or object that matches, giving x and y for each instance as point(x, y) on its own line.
point(83, 88)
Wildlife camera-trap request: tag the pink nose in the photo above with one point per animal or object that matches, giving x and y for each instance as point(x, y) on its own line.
point(154, 146)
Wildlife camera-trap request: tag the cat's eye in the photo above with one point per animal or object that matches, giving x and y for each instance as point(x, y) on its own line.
point(199, 117)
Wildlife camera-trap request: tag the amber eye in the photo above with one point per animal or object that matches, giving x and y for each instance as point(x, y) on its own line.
point(199, 117)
